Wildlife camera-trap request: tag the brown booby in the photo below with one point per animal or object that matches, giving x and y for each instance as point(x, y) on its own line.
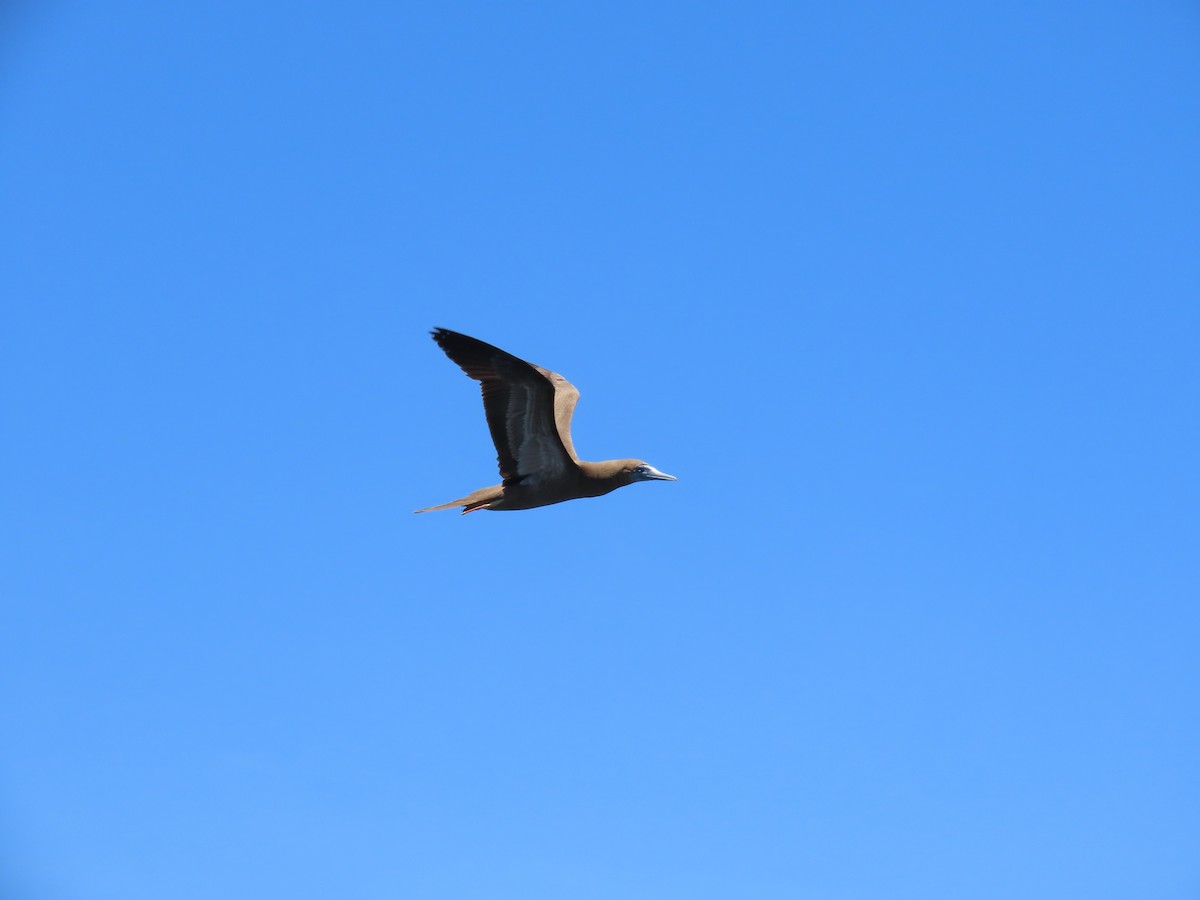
point(529, 412)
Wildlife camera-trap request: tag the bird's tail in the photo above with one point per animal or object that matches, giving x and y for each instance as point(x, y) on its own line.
point(480, 499)
point(450, 505)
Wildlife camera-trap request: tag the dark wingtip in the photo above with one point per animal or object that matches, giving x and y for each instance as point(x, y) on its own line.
point(443, 336)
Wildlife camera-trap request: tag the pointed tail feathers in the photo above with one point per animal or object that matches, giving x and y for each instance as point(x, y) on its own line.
point(480, 499)
point(450, 505)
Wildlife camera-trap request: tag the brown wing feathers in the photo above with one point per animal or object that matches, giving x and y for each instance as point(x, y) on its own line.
point(512, 391)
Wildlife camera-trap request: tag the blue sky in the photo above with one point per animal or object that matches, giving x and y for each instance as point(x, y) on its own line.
point(905, 294)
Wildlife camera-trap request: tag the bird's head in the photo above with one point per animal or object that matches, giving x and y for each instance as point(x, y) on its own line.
point(643, 471)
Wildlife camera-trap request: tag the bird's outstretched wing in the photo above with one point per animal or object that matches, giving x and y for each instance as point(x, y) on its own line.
point(528, 408)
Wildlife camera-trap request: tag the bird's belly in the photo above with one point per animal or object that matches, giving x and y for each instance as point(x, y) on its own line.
point(529, 496)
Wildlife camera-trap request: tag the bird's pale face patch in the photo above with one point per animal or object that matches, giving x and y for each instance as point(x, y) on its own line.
point(647, 472)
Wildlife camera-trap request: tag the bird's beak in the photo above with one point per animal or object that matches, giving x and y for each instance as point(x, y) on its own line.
point(652, 474)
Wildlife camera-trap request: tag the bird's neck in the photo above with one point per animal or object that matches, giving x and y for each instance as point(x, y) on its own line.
point(602, 477)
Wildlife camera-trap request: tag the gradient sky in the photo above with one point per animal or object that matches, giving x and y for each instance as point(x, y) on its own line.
point(905, 294)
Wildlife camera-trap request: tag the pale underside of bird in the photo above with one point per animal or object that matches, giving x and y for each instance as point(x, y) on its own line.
point(529, 411)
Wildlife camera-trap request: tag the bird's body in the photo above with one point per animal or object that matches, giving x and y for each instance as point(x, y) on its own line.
point(529, 413)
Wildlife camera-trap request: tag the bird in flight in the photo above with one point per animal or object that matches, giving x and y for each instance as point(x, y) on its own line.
point(528, 411)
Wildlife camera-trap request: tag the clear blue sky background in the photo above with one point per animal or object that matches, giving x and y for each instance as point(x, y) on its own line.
point(905, 294)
